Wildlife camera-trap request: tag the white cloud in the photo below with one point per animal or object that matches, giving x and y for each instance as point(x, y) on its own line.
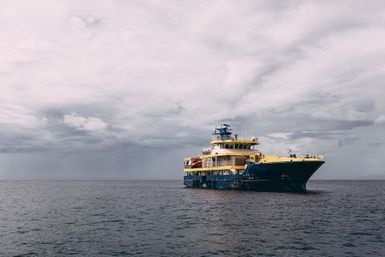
point(380, 119)
point(84, 123)
point(279, 135)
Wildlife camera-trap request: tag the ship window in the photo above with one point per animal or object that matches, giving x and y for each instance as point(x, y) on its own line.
point(231, 146)
point(240, 160)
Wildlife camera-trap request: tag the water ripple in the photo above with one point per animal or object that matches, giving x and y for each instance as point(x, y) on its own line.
point(161, 218)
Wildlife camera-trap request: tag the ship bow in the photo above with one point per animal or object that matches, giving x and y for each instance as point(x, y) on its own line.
point(280, 176)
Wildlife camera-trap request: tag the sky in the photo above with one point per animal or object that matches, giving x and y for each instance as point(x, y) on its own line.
point(94, 89)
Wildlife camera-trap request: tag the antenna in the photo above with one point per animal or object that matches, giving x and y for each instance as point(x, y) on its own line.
point(251, 126)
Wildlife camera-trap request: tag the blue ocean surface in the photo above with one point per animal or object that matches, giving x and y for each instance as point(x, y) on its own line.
point(162, 218)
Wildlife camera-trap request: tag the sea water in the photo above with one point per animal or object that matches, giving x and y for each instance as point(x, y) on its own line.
point(162, 218)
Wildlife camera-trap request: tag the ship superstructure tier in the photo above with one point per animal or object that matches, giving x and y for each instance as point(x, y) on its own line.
point(234, 163)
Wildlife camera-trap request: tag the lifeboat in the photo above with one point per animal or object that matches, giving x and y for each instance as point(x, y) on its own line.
point(196, 162)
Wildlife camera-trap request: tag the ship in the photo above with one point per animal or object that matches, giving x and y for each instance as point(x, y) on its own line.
point(235, 163)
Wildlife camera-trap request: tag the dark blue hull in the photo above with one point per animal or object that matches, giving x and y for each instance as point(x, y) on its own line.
point(279, 177)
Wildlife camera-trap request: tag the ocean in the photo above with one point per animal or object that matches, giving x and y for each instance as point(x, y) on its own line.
point(162, 218)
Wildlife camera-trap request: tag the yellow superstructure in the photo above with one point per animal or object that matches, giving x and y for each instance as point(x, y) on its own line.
point(232, 154)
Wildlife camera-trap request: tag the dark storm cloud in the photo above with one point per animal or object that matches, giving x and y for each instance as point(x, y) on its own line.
point(331, 129)
point(376, 144)
point(348, 125)
point(316, 134)
point(19, 142)
point(347, 141)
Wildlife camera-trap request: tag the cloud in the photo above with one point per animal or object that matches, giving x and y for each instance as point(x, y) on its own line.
point(380, 119)
point(347, 141)
point(97, 75)
point(84, 123)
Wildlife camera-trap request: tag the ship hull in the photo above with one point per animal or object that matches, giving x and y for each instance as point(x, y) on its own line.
point(277, 177)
